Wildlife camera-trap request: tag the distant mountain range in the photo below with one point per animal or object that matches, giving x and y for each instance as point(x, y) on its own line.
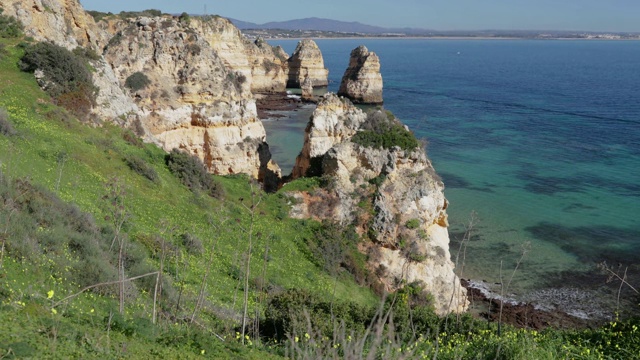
point(319, 24)
point(336, 26)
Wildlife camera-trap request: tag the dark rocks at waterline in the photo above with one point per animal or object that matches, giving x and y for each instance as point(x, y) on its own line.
point(270, 104)
point(525, 315)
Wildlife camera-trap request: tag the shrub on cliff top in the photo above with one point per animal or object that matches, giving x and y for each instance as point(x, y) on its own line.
point(383, 131)
point(192, 173)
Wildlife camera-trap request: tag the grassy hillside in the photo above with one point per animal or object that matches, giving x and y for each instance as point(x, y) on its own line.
point(66, 162)
point(73, 195)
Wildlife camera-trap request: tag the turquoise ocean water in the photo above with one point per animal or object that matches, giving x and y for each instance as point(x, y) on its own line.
point(541, 139)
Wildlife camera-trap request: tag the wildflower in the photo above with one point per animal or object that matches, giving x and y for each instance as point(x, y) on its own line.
point(49, 294)
point(54, 311)
point(202, 352)
point(296, 339)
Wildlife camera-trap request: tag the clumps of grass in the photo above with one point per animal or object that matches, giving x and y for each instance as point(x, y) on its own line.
point(382, 131)
point(64, 75)
point(10, 27)
point(137, 81)
point(132, 139)
point(141, 167)
point(6, 128)
point(41, 224)
point(193, 174)
point(192, 244)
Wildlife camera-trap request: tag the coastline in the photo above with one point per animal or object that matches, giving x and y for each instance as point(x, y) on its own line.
point(482, 38)
point(556, 306)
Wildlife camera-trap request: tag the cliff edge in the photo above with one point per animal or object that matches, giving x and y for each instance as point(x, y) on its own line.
point(389, 190)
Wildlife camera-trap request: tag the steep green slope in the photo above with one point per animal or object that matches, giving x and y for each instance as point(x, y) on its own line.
point(60, 161)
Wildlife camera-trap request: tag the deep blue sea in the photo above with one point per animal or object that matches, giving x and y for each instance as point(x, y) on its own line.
point(540, 139)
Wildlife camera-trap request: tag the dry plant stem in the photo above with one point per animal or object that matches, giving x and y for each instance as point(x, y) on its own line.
point(463, 247)
point(203, 285)
point(622, 279)
point(252, 211)
point(5, 233)
point(525, 250)
point(102, 284)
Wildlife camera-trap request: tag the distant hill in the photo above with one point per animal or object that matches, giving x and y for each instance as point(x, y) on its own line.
point(319, 24)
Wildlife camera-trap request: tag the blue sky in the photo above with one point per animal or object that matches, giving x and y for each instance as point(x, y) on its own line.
point(594, 15)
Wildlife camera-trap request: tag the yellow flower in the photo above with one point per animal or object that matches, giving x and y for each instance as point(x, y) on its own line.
point(54, 311)
point(202, 352)
point(49, 294)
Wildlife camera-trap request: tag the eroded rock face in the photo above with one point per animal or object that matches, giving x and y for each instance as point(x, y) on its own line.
point(65, 23)
point(334, 120)
point(362, 81)
point(394, 196)
point(264, 66)
point(192, 102)
point(307, 62)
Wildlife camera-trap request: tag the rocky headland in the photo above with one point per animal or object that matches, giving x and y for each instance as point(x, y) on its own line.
point(392, 193)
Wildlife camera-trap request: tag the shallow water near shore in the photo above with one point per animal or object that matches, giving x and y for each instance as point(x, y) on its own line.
point(541, 139)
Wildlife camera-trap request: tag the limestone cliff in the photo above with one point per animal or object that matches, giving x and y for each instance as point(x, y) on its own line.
point(264, 66)
point(65, 23)
point(192, 102)
point(307, 62)
point(406, 219)
point(362, 81)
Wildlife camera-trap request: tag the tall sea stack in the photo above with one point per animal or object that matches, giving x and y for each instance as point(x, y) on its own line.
point(362, 81)
point(307, 62)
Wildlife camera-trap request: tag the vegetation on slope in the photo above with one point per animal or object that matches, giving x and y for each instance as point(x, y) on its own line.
point(384, 131)
point(107, 251)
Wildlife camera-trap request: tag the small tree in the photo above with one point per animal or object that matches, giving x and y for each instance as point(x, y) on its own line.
point(137, 81)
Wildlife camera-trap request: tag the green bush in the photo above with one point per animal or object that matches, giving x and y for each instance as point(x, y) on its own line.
point(6, 128)
point(97, 15)
point(184, 18)
point(381, 131)
point(141, 167)
point(413, 224)
point(64, 72)
point(137, 81)
point(192, 173)
point(67, 77)
point(286, 313)
point(9, 26)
